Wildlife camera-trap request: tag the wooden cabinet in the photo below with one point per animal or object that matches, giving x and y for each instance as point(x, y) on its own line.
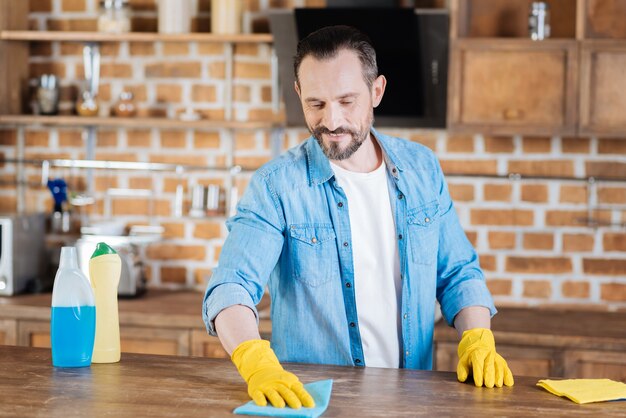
point(501, 82)
point(145, 326)
point(8, 332)
point(603, 88)
point(494, 89)
point(549, 343)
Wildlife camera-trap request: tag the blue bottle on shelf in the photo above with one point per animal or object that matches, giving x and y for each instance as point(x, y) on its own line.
point(73, 316)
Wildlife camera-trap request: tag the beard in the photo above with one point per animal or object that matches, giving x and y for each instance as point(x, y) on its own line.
point(334, 150)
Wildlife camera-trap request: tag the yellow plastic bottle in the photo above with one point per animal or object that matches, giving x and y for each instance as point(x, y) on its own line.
point(105, 267)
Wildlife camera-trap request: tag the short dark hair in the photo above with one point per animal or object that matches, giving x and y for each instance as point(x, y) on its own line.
point(326, 42)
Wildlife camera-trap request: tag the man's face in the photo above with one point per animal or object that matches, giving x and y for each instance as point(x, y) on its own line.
point(337, 103)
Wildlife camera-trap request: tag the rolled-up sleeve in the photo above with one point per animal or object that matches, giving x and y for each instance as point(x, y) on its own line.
point(249, 255)
point(460, 280)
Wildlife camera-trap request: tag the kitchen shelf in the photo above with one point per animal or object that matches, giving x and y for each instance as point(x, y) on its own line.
point(135, 122)
point(75, 36)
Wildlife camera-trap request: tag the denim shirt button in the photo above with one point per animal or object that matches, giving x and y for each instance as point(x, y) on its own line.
point(340, 204)
point(313, 240)
point(407, 353)
point(352, 324)
point(427, 220)
point(357, 361)
point(345, 244)
point(400, 196)
point(400, 236)
point(405, 316)
point(348, 284)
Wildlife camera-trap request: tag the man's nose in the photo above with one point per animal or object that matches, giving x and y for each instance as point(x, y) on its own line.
point(333, 117)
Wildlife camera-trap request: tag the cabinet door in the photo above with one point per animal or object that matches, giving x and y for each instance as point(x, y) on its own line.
point(518, 86)
point(8, 332)
point(523, 361)
point(132, 339)
point(595, 365)
point(602, 88)
point(205, 345)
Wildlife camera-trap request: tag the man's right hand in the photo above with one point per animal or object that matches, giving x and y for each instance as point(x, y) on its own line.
point(266, 378)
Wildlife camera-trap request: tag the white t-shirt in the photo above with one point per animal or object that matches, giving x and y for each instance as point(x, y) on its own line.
point(377, 282)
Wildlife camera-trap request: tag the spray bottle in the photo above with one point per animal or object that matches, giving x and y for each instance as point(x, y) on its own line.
point(105, 267)
point(73, 315)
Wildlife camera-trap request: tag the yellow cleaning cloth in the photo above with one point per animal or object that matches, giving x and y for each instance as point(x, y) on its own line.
point(586, 390)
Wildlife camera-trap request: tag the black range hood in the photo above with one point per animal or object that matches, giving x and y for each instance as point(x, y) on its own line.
point(412, 53)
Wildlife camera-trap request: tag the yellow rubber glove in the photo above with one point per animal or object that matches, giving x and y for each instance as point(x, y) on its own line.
point(477, 356)
point(266, 378)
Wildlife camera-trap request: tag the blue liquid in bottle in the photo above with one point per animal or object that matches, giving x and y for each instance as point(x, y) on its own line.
point(72, 335)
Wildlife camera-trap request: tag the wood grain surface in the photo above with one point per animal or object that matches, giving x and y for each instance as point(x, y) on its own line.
point(169, 386)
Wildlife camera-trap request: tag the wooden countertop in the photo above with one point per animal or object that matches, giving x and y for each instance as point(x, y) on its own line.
point(552, 327)
point(146, 385)
point(156, 308)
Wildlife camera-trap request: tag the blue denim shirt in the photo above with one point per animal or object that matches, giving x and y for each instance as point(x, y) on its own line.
point(292, 232)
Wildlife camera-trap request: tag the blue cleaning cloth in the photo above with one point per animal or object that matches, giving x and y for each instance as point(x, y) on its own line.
point(320, 391)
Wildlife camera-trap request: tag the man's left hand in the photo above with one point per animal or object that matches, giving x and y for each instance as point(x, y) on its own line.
point(478, 357)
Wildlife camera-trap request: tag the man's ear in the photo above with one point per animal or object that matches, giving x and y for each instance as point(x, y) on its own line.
point(378, 90)
point(295, 86)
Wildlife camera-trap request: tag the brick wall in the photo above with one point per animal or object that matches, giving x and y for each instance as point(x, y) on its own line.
point(534, 241)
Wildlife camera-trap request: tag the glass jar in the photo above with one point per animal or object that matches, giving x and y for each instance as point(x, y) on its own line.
point(114, 16)
point(125, 107)
point(87, 105)
point(539, 21)
point(47, 97)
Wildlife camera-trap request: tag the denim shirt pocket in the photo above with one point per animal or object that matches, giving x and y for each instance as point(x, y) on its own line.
point(423, 227)
point(313, 253)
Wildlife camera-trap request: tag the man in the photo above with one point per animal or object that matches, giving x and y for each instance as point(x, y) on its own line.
point(356, 235)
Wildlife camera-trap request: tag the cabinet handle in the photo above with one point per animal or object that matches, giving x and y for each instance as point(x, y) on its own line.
point(511, 114)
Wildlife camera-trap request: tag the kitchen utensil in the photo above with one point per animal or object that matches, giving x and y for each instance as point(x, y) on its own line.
point(48, 94)
point(539, 21)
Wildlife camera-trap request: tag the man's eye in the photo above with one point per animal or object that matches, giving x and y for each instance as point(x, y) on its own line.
point(317, 105)
point(346, 102)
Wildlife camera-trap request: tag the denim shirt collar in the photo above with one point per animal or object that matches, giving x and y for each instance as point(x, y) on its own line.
point(319, 165)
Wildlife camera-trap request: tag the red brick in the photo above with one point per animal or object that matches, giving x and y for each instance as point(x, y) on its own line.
point(501, 240)
point(174, 70)
point(202, 276)
point(8, 138)
point(179, 159)
point(173, 139)
point(612, 146)
point(208, 230)
point(501, 217)
point(86, 25)
point(546, 168)
point(138, 138)
point(500, 287)
point(140, 183)
point(472, 236)
point(206, 139)
point(604, 266)
point(173, 230)
point(537, 289)
point(176, 252)
point(612, 195)
point(614, 241)
point(241, 94)
point(574, 218)
point(173, 275)
point(552, 265)
point(460, 143)
point(538, 241)
point(575, 145)
point(251, 70)
point(577, 242)
point(175, 48)
point(613, 292)
point(536, 145)
point(461, 192)
point(488, 262)
point(36, 138)
point(572, 289)
point(609, 169)
point(425, 138)
point(497, 192)
point(534, 193)
point(573, 194)
point(469, 167)
point(40, 5)
point(141, 48)
point(73, 5)
point(202, 93)
point(499, 144)
point(246, 49)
